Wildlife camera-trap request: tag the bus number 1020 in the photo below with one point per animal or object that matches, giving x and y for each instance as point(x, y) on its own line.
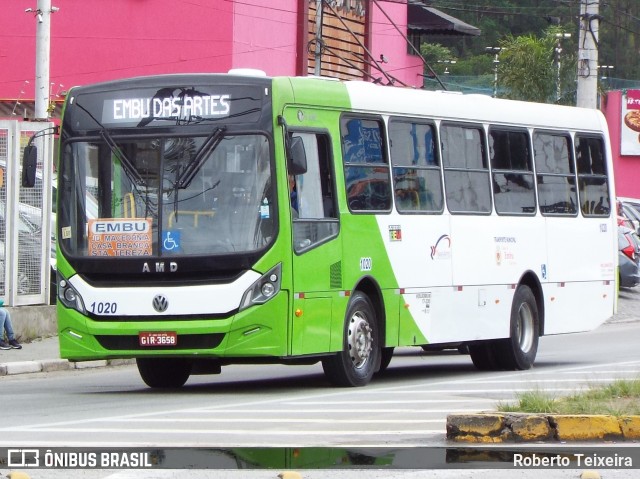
point(365, 264)
point(103, 308)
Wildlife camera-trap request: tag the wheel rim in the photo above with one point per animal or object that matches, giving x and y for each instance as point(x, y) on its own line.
point(359, 340)
point(525, 325)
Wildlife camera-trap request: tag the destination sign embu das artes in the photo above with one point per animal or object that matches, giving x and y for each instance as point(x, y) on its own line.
point(168, 108)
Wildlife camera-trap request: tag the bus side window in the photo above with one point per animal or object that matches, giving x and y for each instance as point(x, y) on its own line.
point(417, 179)
point(512, 171)
point(592, 176)
point(466, 175)
point(556, 174)
point(365, 164)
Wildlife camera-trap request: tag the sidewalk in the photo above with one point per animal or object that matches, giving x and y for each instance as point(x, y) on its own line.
point(43, 355)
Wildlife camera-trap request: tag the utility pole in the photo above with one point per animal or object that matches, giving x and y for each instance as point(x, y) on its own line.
point(318, 53)
point(43, 52)
point(587, 95)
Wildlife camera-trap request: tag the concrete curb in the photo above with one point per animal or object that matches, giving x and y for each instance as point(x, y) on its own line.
point(48, 365)
point(512, 427)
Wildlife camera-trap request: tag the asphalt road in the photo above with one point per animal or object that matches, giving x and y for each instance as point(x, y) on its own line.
point(294, 407)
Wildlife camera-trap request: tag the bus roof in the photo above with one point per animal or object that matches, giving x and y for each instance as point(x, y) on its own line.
point(453, 106)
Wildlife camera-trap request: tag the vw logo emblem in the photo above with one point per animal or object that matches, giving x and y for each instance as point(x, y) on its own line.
point(160, 303)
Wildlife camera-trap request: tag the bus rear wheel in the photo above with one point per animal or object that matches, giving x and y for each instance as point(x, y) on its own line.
point(164, 372)
point(520, 349)
point(483, 355)
point(360, 355)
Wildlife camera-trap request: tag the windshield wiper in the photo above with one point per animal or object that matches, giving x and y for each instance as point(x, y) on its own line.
point(131, 170)
point(190, 170)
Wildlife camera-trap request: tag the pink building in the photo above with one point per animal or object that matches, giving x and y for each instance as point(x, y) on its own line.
point(94, 40)
point(622, 110)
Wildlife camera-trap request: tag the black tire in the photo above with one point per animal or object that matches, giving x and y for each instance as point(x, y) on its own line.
point(385, 358)
point(164, 372)
point(361, 352)
point(483, 355)
point(519, 350)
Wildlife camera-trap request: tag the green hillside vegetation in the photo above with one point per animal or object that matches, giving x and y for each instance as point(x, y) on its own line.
point(527, 31)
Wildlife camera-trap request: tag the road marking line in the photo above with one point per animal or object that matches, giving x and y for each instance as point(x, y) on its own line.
point(248, 432)
point(287, 420)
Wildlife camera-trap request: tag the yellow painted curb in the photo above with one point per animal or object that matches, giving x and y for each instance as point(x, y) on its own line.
point(475, 427)
point(630, 426)
point(478, 439)
point(586, 428)
point(514, 427)
point(531, 428)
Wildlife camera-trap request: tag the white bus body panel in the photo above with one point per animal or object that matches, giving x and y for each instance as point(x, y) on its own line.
point(205, 300)
point(466, 292)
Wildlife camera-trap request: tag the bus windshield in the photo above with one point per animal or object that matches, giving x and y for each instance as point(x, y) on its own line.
point(162, 195)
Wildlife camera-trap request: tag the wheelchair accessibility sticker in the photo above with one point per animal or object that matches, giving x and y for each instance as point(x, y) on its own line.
point(171, 241)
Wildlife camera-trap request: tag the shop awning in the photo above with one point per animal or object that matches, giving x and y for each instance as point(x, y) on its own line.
point(433, 21)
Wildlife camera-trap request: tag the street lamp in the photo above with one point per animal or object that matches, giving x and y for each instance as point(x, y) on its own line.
point(604, 69)
point(559, 37)
point(446, 68)
point(496, 51)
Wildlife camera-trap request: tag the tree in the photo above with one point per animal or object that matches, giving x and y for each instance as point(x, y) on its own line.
point(436, 55)
point(528, 69)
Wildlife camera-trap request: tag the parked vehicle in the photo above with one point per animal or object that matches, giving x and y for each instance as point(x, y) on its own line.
point(623, 217)
point(632, 215)
point(628, 257)
point(633, 202)
point(29, 256)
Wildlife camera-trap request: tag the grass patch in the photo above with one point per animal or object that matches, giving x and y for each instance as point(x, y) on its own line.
point(620, 398)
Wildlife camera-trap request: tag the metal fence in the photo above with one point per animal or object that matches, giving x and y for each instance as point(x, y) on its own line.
point(26, 241)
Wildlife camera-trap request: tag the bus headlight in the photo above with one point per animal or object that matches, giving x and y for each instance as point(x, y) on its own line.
point(263, 289)
point(68, 295)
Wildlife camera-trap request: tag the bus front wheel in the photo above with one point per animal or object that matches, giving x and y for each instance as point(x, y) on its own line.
point(360, 355)
point(164, 372)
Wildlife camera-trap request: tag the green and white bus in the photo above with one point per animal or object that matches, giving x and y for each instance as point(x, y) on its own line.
point(213, 219)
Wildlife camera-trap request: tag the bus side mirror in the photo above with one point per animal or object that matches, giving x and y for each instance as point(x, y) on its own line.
point(29, 163)
point(297, 164)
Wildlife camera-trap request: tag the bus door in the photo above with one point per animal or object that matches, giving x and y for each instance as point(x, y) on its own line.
point(316, 251)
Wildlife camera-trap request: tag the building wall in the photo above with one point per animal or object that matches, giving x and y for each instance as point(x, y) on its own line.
point(265, 37)
point(626, 168)
point(387, 41)
point(96, 40)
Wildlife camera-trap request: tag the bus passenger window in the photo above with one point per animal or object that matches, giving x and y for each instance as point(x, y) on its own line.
point(466, 175)
point(555, 172)
point(512, 172)
point(417, 179)
point(592, 176)
point(365, 165)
